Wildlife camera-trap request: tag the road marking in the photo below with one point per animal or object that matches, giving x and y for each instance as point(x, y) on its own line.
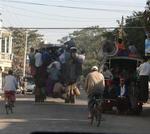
point(12, 120)
point(40, 119)
point(56, 119)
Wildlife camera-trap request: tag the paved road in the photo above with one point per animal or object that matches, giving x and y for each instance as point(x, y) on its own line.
point(56, 116)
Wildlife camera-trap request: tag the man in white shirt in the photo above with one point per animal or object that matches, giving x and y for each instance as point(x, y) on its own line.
point(144, 73)
point(38, 59)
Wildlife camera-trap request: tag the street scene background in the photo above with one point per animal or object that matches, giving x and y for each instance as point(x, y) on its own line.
point(56, 116)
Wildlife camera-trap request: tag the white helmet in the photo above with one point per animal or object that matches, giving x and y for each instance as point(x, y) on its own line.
point(94, 68)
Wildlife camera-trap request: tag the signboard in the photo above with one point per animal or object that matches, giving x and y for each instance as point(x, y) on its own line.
point(147, 47)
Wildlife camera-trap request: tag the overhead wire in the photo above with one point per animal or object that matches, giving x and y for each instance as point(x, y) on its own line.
point(106, 3)
point(67, 28)
point(2, 16)
point(77, 19)
point(52, 19)
point(30, 3)
point(14, 17)
point(69, 7)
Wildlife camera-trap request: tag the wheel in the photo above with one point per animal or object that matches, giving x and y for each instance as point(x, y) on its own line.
point(10, 108)
point(98, 118)
point(6, 108)
point(67, 99)
point(139, 110)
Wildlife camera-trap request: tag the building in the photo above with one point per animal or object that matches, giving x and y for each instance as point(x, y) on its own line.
point(5, 48)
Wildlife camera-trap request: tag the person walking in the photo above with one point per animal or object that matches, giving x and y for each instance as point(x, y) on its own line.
point(144, 73)
point(38, 79)
point(94, 85)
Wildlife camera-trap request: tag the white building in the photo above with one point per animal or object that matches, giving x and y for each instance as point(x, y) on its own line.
point(5, 49)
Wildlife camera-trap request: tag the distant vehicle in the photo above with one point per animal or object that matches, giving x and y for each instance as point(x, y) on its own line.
point(30, 87)
point(18, 91)
point(127, 66)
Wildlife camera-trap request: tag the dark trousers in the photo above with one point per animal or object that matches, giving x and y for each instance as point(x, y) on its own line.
point(97, 94)
point(143, 86)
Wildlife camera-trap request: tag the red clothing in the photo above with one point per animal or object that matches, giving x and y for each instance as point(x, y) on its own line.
point(10, 95)
point(120, 46)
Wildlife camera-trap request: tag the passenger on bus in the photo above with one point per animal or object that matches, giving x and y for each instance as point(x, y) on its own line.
point(122, 89)
point(121, 48)
point(32, 61)
point(108, 81)
point(122, 97)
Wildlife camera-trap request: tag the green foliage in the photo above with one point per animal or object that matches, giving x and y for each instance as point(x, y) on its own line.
point(136, 35)
point(88, 64)
point(19, 36)
point(89, 40)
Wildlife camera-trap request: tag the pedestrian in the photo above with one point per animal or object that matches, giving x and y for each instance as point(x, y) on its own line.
point(38, 59)
point(38, 79)
point(144, 73)
point(94, 85)
point(32, 61)
point(10, 86)
point(1, 80)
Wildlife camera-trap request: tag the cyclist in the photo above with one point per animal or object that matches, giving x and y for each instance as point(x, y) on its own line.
point(94, 85)
point(10, 86)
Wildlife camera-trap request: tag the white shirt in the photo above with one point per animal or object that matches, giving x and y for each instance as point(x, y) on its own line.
point(62, 58)
point(38, 59)
point(144, 69)
point(10, 83)
point(81, 58)
point(122, 90)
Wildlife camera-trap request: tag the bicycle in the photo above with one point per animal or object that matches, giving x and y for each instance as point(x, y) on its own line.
point(96, 111)
point(9, 101)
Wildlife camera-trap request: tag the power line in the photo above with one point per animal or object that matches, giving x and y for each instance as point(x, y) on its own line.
point(122, 4)
point(69, 7)
point(63, 28)
point(56, 15)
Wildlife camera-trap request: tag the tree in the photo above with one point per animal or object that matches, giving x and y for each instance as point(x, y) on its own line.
point(88, 39)
point(136, 35)
point(19, 35)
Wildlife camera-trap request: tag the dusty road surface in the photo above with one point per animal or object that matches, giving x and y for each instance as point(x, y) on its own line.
point(54, 115)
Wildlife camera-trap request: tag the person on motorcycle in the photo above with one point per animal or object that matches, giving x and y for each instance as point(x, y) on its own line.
point(94, 84)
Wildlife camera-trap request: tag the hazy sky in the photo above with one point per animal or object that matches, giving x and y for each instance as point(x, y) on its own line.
point(66, 13)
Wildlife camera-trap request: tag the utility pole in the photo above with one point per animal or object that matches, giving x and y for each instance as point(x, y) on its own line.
point(120, 30)
point(25, 54)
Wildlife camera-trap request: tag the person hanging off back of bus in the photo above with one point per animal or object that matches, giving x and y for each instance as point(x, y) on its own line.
point(32, 62)
point(10, 86)
point(108, 81)
point(122, 96)
point(144, 73)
